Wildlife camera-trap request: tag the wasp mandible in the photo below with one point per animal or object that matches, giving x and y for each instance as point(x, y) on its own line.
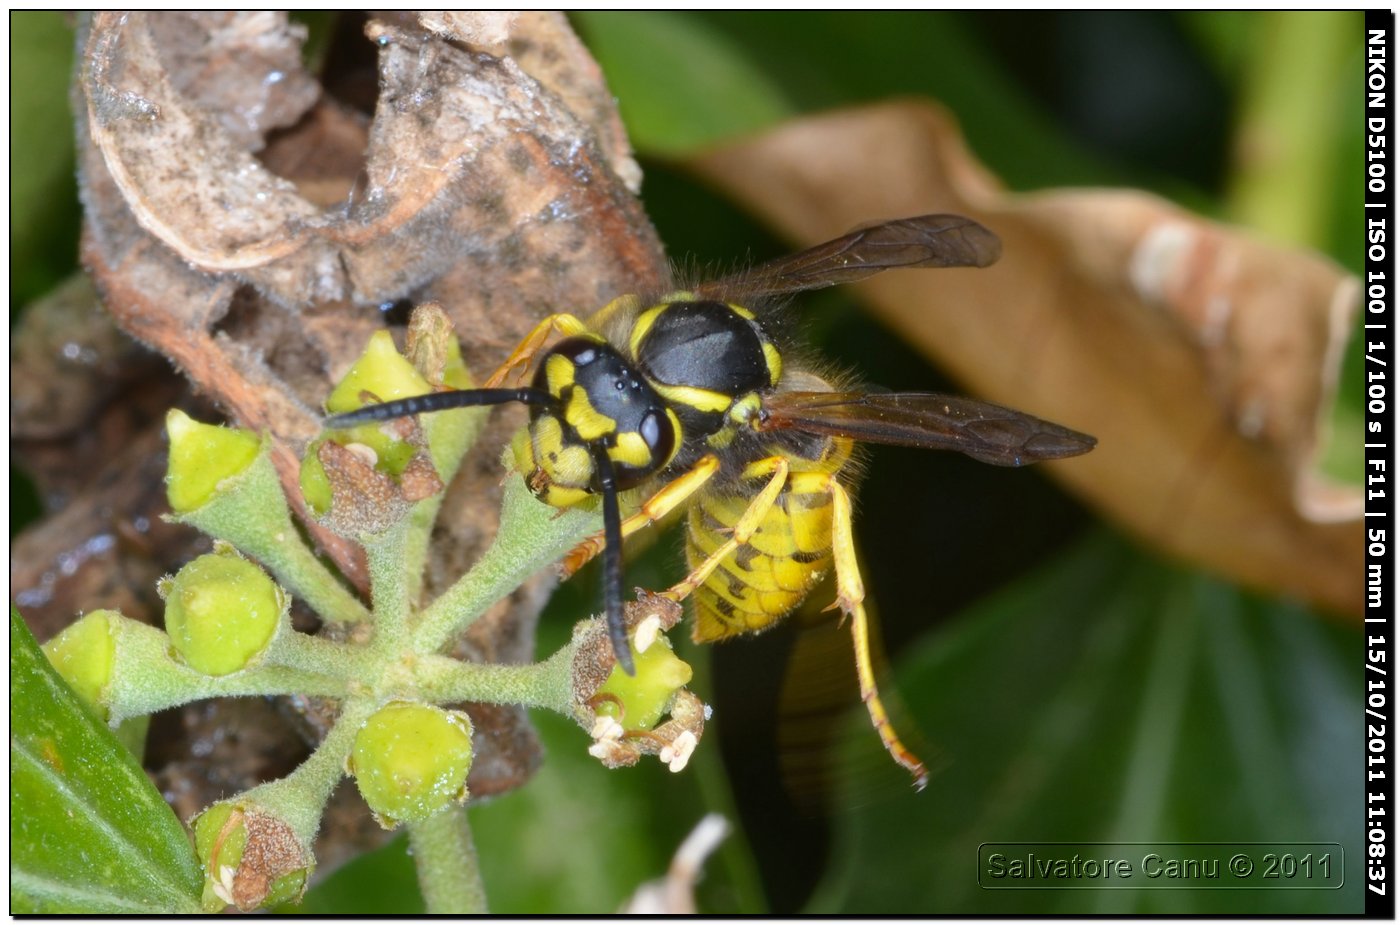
point(692, 397)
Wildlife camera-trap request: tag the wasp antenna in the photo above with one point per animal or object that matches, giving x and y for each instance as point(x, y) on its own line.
point(612, 558)
point(437, 401)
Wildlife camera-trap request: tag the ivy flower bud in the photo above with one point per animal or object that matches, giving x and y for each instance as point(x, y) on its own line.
point(221, 612)
point(639, 701)
point(84, 655)
point(390, 447)
point(250, 858)
point(202, 456)
point(410, 760)
point(380, 370)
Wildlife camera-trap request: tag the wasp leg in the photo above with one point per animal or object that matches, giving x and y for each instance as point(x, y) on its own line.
point(763, 502)
point(667, 498)
point(525, 353)
point(850, 597)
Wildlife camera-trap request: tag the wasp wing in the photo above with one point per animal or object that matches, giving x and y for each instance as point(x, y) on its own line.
point(986, 432)
point(922, 241)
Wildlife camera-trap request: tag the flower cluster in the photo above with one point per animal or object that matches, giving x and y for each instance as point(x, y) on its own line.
point(228, 633)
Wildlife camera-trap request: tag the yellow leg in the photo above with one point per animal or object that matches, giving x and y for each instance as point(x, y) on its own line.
point(525, 353)
point(758, 509)
point(670, 496)
point(850, 597)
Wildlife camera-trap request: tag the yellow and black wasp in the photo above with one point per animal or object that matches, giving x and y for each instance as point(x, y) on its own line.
point(692, 398)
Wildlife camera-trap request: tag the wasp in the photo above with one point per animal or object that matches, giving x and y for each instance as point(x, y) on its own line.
point(693, 398)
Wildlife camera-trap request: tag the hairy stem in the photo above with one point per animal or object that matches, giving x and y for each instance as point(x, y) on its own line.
point(532, 536)
point(148, 680)
point(548, 684)
point(445, 856)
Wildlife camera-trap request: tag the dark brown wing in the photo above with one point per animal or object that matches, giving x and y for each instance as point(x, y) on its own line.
point(986, 432)
point(923, 241)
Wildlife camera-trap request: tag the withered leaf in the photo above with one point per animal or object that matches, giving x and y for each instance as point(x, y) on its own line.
point(1202, 358)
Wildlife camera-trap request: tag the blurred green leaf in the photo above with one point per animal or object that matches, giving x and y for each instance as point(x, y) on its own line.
point(1109, 698)
point(43, 191)
point(1222, 35)
point(89, 834)
point(680, 84)
point(609, 832)
point(824, 59)
point(381, 882)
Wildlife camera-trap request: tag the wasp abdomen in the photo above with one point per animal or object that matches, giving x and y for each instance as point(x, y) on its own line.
point(767, 577)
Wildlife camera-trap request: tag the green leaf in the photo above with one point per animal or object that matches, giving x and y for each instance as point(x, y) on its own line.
point(680, 84)
point(1111, 698)
point(380, 882)
point(88, 831)
point(44, 212)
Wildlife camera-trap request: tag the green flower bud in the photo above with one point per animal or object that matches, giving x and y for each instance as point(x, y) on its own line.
point(221, 612)
point(411, 760)
point(249, 857)
point(84, 654)
point(201, 457)
point(455, 372)
point(381, 370)
point(639, 701)
point(315, 484)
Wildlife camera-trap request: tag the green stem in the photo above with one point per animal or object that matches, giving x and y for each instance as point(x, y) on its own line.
point(532, 536)
point(445, 856)
point(450, 435)
point(548, 684)
point(390, 583)
point(420, 534)
point(350, 664)
point(147, 680)
point(252, 514)
point(300, 797)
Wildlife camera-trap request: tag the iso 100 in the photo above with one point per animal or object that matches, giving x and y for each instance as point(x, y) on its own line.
point(1292, 867)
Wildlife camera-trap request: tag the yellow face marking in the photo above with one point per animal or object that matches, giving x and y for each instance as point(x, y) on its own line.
point(572, 467)
point(678, 431)
point(585, 420)
point(522, 449)
point(559, 496)
point(631, 450)
point(558, 373)
point(741, 311)
point(562, 463)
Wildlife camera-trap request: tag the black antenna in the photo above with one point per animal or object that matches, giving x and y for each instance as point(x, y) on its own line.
point(612, 558)
point(438, 401)
point(607, 483)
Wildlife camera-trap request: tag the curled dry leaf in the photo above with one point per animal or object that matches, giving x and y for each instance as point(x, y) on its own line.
point(1202, 358)
point(248, 224)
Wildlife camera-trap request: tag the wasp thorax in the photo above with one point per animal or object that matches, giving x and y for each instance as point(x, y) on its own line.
point(702, 356)
point(601, 402)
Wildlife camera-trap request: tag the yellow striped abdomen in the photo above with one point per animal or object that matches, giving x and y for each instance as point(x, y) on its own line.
point(766, 578)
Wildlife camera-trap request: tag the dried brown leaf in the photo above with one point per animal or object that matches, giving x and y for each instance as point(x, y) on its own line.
point(1202, 358)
